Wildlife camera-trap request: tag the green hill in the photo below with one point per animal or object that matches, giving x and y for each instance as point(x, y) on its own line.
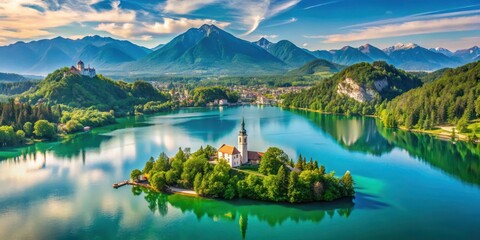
point(354, 90)
point(452, 97)
point(12, 77)
point(81, 91)
point(316, 67)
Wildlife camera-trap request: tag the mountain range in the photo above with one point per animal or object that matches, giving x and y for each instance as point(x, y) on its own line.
point(210, 50)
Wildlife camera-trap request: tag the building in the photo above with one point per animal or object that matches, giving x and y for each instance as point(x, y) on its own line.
point(239, 156)
point(80, 69)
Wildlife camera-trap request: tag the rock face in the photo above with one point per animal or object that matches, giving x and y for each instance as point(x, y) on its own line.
point(353, 90)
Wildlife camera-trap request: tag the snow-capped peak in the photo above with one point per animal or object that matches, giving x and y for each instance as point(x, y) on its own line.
point(400, 46)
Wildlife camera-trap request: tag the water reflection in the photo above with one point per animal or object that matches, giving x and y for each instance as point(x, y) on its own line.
point(274, 214)
point(358, 134)
point(461, 160)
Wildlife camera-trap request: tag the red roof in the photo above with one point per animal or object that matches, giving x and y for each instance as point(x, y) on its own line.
point(231, 150)
point(254, 155)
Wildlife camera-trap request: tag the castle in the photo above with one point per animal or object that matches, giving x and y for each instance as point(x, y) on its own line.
point(80, 69)
point(239, 156)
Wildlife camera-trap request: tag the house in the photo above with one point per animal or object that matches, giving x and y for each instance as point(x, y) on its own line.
point(231, 154)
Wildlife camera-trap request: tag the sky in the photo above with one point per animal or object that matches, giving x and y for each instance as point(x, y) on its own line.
point(312, 24)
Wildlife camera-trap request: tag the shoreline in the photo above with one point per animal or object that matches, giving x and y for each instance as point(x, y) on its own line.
point(442, 135)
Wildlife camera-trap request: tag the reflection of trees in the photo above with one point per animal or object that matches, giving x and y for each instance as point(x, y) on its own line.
point(353, 133)
point(461, 160)
point(271, 213)
point(208, 128)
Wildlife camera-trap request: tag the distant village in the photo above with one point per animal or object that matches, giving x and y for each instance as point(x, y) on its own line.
point(260, 95)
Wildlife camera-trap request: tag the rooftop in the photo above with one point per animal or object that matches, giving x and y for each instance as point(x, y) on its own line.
point(231, 150)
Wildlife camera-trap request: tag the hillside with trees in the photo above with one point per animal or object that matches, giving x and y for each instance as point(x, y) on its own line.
point(61, 87)
point(324, 96)
point(454, 98)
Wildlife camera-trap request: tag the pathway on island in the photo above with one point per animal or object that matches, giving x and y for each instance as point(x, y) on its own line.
point(182, 191)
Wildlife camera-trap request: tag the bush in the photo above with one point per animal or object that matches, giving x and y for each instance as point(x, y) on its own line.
point(44, 129)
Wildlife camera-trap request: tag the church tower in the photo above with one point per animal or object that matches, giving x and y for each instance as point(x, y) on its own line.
point(242, 143)
point(80, 66)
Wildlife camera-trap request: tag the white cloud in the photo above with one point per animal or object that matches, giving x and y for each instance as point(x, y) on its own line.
point(22, 22)
point(408, 28)
point(145, 30)
point(185, 6)
point(291, 20)
point(305, 45)
point(321, 4)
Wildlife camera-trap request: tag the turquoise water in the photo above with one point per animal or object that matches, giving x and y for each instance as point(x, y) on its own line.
point(408, 185)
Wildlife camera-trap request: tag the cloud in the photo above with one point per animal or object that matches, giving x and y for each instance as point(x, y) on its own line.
point(145, 30)
point(28, 22)
point(320, 5)
point(305, 45)
point(186, 6)
point(408, 28)
point(291, 20)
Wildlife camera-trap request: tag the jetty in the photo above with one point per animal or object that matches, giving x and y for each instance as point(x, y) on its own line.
point(120, 184)
point(144, 183)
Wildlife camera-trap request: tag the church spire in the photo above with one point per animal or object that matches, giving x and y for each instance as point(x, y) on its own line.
point(242, 130)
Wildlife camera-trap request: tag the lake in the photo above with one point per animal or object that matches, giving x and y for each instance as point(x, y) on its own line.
point(407, 185)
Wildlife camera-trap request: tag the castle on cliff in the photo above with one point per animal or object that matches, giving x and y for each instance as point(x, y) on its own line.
point(80, 69)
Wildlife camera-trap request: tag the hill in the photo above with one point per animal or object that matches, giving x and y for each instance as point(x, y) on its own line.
point(451, 98)
point(354, 90)
point(316, 67)
point(12, 77)
point(348, 56)
point(81, 91)
point(208, 50)
point(44, 56)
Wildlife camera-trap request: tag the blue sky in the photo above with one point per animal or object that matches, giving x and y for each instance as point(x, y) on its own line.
point(314, 24)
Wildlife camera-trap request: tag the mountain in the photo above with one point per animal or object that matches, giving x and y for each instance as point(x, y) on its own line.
point(208, 50)
point(413, 57)
point(453, 96)
point(374, 53)
point(355, 89)
point(443, 51)
point(317, 66)
point(12, 77)
point(287, 52)
point(61, 87)
point(348, 56)
point(321, 54)
point(158, 47)
point(264, 43)
point(468, 55)
point(43, 56)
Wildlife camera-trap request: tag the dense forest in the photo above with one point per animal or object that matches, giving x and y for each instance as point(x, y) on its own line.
point(453, 98)
point(274, 180)
point(14, 88)
point(324, 97)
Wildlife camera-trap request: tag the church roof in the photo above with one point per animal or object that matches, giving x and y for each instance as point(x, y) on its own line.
point(80, 62)
point(231, 150)
point(252, 155)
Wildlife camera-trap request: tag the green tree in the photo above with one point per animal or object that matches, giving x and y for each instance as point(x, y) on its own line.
point(44, 129)
point(272, 160)
point(148, 165)
point(135, 174)
point(20, 134)
point(73, 126)
point(158, 181)
point(347, 182)
point(28, 128)
point(294, 194)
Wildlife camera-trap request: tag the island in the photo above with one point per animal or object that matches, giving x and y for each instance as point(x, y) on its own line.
point(229, 173)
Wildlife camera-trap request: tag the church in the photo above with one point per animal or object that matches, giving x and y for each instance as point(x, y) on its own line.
point(80, 69)
point(239, 156)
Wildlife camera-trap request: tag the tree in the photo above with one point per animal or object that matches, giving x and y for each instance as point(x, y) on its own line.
point(7, 136)
point(347, 182)
point(272, 160)
point(157, 181)
point(294, 194)
point(28, 128)
point(462, 125)
point(148, 165)
point(73, 126)
point(20, 134)
point(135, 174)
point(44, 129)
